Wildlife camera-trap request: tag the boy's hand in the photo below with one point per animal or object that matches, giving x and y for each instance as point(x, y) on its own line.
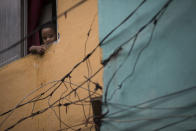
point(42, 49)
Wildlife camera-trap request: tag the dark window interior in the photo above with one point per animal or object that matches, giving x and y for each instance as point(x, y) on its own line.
point(40, 12)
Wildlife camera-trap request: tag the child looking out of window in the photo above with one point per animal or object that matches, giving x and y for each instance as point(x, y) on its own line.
point(48, 35)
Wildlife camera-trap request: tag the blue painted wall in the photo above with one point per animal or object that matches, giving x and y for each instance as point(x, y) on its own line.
point(157, 79)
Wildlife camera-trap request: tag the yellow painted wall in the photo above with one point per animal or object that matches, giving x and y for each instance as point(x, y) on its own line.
point(27, 74)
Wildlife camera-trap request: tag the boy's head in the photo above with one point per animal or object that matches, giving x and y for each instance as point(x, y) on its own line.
point(48, 33)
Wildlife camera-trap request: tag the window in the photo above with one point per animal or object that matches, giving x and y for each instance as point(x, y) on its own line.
point(40, 12)
point(14, 25)
point(10, 30)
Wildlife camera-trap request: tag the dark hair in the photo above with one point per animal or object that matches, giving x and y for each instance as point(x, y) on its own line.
point(48, 25)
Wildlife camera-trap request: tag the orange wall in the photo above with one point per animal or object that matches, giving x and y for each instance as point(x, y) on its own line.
point(22, 76)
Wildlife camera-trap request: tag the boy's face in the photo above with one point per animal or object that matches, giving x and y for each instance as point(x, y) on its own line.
point(48, 35)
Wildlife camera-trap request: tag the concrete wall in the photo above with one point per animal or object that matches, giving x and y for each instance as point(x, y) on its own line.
point(139, 96)
point(29, 73)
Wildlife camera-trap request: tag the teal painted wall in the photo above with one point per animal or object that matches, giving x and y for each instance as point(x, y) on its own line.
point(160, 90)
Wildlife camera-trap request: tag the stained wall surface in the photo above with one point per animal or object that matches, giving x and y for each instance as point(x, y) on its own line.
point(20, 78)
point(150, 83)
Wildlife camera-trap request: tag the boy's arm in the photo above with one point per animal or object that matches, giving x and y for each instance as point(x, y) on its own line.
point(33, 49)
point(37, 49)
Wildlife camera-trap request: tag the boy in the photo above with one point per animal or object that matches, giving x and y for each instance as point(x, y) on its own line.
point(48, 35)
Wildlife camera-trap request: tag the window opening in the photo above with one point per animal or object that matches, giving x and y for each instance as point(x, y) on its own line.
point(41, 13)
